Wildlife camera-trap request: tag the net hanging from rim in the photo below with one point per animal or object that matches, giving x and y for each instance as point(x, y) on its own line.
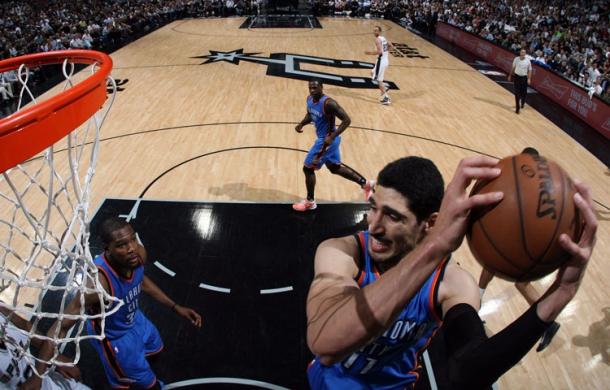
point(48, 153)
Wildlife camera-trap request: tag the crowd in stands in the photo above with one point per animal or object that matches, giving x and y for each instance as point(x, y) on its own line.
point(569, 37)
point(45, 25)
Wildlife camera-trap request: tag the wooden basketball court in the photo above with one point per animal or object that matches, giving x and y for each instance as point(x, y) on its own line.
point(183, 129)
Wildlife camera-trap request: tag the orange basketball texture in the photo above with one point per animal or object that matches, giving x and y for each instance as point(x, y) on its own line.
point(517, 239)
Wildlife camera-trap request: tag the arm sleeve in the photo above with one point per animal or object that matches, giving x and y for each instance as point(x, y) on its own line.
point(476, 361)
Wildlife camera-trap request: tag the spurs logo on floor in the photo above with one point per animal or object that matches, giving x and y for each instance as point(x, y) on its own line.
point(119, 84)
point(404, 50)
point(290, 66)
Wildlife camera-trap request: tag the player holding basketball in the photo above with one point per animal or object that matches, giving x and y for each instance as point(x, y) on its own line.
point(525, 288)
point(130, 336)
point(382, 46)
point(378, 297)
point(322, 111)
point(14, 369)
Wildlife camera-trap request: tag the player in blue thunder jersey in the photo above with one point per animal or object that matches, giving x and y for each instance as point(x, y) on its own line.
point(377, 298)
point(130, 336)
point(392, 358)
point(322, 111)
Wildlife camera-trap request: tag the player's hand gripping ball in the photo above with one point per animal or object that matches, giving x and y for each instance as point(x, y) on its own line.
point(518, 238)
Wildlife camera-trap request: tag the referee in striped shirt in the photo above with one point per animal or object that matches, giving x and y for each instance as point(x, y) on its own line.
point(522, 70)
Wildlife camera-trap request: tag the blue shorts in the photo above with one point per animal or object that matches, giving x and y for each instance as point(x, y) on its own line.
point(124, 358)
point(331, 155)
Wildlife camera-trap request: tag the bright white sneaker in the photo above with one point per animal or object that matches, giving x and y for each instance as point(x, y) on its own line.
point(305, 205)
point(368, 188)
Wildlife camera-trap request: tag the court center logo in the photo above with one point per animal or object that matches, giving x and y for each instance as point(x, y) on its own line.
point(290, 66)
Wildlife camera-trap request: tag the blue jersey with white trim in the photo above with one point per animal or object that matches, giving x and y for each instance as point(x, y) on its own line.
point(325, 124)
point(128, 290)
point(391, 360)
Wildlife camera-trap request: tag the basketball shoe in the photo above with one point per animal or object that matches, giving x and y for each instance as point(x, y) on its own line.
point(305, 205)
point(368, 188)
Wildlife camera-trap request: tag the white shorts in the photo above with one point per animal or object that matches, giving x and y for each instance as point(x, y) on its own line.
point(379, 69)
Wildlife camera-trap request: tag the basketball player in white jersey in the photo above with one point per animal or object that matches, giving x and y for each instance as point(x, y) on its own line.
point(382, 46)
point(14, 369)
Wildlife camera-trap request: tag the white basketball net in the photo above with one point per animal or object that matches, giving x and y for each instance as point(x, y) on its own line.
point(44, 233)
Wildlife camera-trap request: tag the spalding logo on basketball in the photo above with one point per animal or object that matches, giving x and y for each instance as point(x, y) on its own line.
point(517, 239)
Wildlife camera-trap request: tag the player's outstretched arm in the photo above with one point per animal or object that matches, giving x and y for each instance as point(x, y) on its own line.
point(569, 276)
point(151, 288)
point(343, 317)
point(475, 360)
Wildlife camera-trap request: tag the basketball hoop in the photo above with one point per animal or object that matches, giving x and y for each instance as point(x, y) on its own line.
point(48, 152)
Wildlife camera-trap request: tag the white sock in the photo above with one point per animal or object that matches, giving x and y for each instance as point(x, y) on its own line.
point(482, 292)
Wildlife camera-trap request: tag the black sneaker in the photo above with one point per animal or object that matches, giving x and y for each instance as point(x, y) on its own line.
point(547, 336)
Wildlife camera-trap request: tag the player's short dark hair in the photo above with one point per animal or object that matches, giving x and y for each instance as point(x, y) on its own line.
point(109, 226)
point(418, 180)
point(531, 151)
point(316, 80)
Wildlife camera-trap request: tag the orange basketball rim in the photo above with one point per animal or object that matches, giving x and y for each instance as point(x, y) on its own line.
point(27, 132)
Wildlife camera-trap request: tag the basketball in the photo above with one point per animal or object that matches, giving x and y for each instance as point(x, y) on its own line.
point(517, 239)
